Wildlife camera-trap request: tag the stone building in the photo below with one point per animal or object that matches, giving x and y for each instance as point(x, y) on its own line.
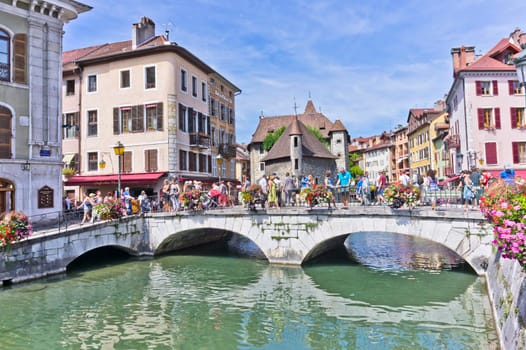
point(30, 103)
point(298, 151)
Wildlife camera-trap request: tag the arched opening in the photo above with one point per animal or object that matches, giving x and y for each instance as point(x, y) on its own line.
point(210, 241)
point(7, 195)
point(98, 258)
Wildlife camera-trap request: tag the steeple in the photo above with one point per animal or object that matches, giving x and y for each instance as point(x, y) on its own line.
point(309, 108)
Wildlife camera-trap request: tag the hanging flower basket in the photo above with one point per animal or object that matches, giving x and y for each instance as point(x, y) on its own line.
point(397, 195)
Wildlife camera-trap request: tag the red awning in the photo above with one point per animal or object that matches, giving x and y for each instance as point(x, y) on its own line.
point(126, 179)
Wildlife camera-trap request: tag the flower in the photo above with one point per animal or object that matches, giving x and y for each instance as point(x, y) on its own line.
point(110, 210)
point(316, 195)
point(14, 226)
point(408, 194)
point(251, 193)
point(504, 206)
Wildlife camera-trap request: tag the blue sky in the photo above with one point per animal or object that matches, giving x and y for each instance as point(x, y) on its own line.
point(363, 62)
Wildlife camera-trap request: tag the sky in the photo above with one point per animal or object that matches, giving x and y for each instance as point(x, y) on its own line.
point(363, 62)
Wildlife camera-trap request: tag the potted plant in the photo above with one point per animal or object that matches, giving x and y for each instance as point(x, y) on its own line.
point(14, 226)
point(68, 172)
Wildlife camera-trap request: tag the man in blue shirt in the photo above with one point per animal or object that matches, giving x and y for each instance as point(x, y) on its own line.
point(344, 180)
point(508, 175)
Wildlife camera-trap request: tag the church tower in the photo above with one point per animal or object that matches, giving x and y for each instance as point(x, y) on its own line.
point(339, 139)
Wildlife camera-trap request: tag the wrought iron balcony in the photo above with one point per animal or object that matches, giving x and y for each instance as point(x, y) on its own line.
point(228, 151)
point(453, 141)
point(200, 140)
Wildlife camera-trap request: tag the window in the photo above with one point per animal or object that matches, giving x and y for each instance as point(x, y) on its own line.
point(194, 86)
point(514, 87)
point(184, 83)
point(183, 162)
point(92, 83)
point(295, 141)
point(182, 118)
point(5, 133)
point(150, 160)
point(518, 119)
point(262, 166)
point(192, 161)
point(519, 152)
point(154, 116)
point(5, 70)
point(203, 91)
point(484, 88)
point(491, 153)
point(202, 163)
point(126, 120)
point(92, 123)
point(70, 87)
point(70, 125)
point(296, 164)
point(93, 161)
point(125, 79)
point(150, 77)
point(489, 118)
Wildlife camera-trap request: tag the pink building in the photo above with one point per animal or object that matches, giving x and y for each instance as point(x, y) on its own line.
point(486, 105)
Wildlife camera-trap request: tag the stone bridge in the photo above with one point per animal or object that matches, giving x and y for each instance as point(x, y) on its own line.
point(287, 236)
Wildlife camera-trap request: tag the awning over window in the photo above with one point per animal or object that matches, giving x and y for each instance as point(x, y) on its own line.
point(126, 179)
point(68, 158)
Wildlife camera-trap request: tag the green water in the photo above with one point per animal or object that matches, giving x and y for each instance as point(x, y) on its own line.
point(199, 300)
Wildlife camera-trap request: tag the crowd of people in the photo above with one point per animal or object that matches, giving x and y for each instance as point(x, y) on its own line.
point(177, 194)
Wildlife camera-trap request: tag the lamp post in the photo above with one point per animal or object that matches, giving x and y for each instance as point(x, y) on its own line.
point(119, 151)
point(219, 160)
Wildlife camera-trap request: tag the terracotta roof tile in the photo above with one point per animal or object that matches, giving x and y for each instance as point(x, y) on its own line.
point(311, 146)
point(337, 126)
point(311, 117)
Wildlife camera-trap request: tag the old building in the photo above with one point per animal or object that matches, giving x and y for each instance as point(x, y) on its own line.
point(174, 114)
point(399, 152)
point(30, 103)
point(486, 108)
point(298, 151)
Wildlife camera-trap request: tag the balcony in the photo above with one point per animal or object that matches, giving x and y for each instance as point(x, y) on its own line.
point(200, 140)
point(228, 151)
point(452, 141)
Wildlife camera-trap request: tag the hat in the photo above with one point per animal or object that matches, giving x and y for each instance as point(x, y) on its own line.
point(507, 166)
point(92, 194)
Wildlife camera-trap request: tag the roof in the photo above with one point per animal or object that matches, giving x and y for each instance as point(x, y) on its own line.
point(310, 117)
point(123, 49)
point(337, 126)
point(493, 59)
point(310, 145)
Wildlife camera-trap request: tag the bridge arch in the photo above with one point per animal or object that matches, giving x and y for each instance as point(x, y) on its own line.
point(71, 259)
point(196, 236)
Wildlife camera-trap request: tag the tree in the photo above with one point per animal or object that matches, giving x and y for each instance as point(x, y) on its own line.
point(354, 160)
point(271, 138)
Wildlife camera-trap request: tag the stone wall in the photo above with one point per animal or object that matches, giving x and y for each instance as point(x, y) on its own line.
point(507, 292)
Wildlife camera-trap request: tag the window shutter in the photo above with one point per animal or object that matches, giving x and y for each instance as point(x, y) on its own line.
point(20, 58)
point(116, 121)
point(210, 164)
point(491, 153)
point(208, 125)
point(513, 114)
point(497, 118)
point(515, 151)
point(182, 112)
point(150, 156)
point(495, 88)
point(511, 87)
point(160, 116)
point(191, 120)
point(478, 88)
point(127, 162)
point(480, 112)
point(140, 118)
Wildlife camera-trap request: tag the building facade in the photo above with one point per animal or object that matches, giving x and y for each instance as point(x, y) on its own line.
point(30, 103)
point(173, 113)
point(399, 152)
point(486, 105)
point(298, 151)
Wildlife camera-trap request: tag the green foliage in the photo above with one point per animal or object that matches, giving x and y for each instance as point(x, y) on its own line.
point(271, 138)
point(355, 170)
point(317, 133)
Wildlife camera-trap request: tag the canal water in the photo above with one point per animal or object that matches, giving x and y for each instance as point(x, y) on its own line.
point(381, 292)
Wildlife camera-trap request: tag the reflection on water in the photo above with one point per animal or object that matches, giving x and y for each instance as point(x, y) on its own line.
point(211, 301)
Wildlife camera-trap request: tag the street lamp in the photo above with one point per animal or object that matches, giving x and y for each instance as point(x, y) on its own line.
point(119, 151)
point(219, 160)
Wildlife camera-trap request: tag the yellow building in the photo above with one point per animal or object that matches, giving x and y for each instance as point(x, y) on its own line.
point(419, 136)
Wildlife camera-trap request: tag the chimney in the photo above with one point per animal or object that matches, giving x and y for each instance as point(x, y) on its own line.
point(515, 37)
point(142, 32)
point(440, 105)
point(462, 57)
